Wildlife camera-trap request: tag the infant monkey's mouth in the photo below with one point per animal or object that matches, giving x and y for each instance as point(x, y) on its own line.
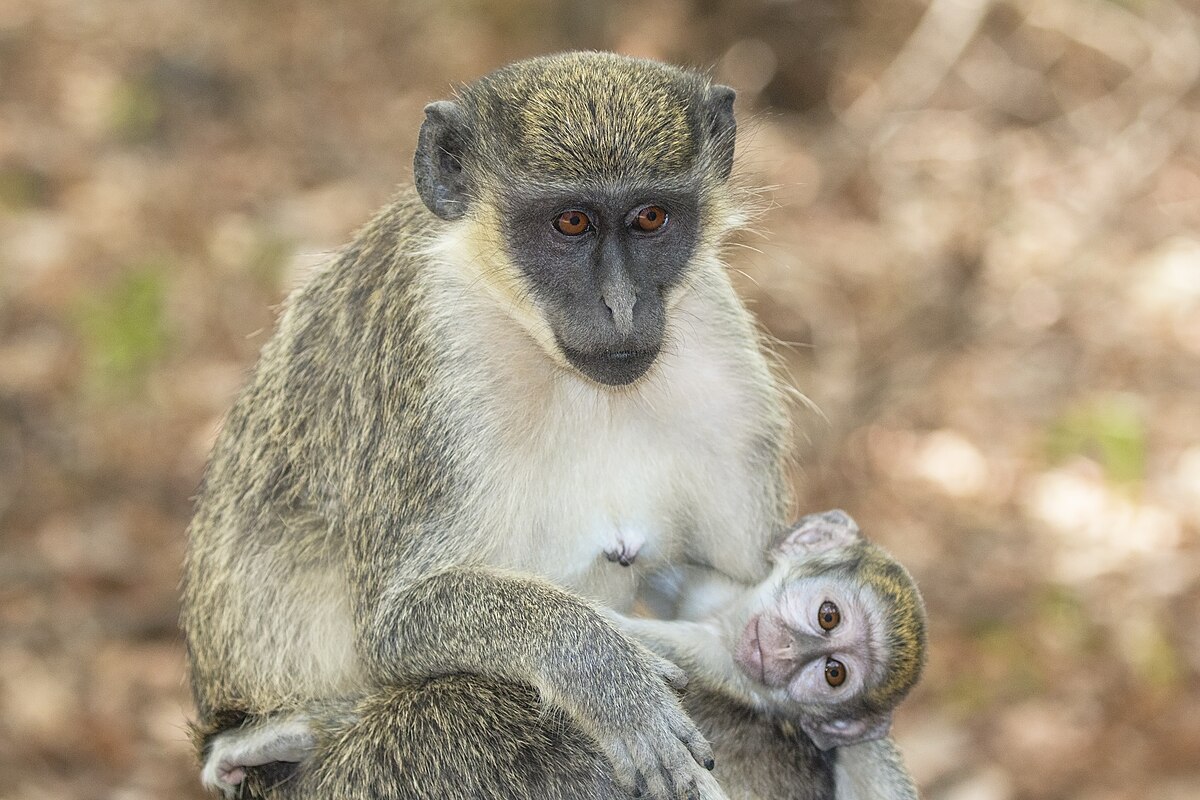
point(748, 653)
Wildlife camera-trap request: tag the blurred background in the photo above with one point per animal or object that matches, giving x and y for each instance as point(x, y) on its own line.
point(981, 256)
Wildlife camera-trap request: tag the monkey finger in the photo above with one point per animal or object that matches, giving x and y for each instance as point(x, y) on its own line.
point(708, 788)
point(656, 781)
point(680, 775)
point(658, 769)
point(687, 789)
point(683, 780)
point(697, 745)
point(665, 772)
point(625, 771)
point(231, 776)
point(674, 676)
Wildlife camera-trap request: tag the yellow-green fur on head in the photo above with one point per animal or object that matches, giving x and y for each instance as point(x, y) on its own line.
point(590, 117)
point(903, 624)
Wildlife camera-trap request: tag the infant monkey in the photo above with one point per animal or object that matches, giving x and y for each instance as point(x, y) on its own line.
point(832, 640)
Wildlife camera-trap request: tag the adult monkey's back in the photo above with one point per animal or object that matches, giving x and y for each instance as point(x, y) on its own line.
point(460, 412)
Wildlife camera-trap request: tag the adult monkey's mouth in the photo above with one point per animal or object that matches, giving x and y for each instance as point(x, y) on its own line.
point(611, 367)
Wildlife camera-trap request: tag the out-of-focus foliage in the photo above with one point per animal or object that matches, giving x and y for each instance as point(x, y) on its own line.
point(123, 331)
point(980, 251)
point(1110, 431)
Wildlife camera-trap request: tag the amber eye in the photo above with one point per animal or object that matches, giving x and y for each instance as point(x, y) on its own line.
point(828, 616)
point(650, 219)
point(835, 672)
point(572, 223)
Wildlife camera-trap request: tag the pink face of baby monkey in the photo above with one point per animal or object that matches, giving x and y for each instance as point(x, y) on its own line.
point(816, 640)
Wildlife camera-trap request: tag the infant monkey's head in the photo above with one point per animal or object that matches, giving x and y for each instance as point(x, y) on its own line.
point(836, 633)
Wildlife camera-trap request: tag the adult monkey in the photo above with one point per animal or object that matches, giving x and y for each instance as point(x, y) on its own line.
point(458, 412)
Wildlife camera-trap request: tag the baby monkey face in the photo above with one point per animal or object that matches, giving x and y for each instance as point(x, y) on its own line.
point(815, 641)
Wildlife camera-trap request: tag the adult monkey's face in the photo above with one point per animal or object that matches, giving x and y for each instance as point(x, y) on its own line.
point(600, 169)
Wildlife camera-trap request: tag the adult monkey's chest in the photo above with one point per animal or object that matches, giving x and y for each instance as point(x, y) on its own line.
point(661, 473)
point(593, 494)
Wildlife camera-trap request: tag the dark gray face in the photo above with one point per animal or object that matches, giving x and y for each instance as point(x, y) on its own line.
point(599, 265)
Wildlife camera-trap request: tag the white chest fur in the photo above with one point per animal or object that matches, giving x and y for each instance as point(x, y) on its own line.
point(660, 467)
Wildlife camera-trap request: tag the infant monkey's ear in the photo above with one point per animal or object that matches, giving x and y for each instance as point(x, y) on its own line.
point(818, 533)
point(841, 732)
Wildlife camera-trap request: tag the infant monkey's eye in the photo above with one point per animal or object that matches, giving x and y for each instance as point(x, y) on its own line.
point(572, 223)
point(835, 672)
point(828, 616)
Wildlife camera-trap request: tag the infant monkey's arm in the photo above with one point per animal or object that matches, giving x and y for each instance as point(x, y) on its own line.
point(701, 649)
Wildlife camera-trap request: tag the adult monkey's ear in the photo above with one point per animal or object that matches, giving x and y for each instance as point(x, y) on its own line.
point(722, 128)
point(438, 169)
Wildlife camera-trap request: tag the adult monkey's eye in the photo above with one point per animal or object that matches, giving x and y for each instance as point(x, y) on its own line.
point(572, 223)
point(650, 219)
point(835, 672)
point(828, 616)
